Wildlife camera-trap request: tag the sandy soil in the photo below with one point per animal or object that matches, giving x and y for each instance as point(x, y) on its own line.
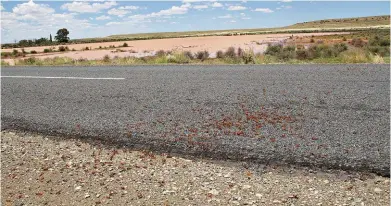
point(40, 170)
point(257, 43)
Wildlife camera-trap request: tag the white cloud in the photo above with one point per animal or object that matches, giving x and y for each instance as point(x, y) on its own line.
point(192, 1)
point(244, 18)
point(86, 7)
point(174, 22)
point(129, 7)
point(1, 7)
point(225, 17)
point(264, 10)
point(286, 1)
point(233, 21)
point(38, 20)
point(32, 11)
point(118, 12)
point(174, 10)
point(242, 14)
point(113, 23)
point(217, 4)
point(103, 17)
point(200, 7)
point(284, 7)
point(236, 8)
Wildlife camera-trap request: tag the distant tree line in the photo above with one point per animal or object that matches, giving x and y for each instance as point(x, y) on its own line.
point(61, 37)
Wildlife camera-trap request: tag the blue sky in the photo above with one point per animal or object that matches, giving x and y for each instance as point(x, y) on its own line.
point(35, 19)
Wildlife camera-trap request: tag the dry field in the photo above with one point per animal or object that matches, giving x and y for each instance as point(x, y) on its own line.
point(212, 44)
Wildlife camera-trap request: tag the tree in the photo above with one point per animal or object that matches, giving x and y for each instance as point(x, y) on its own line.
point(62, 35)
point(50, 38)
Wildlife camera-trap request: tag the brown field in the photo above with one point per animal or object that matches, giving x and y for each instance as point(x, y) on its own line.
point(212, 44)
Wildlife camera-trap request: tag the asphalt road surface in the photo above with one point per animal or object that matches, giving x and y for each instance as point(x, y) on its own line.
point(331, 116)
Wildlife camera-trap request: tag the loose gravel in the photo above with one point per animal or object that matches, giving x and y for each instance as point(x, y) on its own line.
point(333, 116)
point(49, 170)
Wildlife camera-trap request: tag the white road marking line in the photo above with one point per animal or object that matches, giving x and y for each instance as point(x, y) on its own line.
point(42, 77)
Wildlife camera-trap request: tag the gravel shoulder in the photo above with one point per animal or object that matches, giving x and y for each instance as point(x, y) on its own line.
point(48, 170)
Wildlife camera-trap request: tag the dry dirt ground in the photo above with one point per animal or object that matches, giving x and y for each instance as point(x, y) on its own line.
point(257, 43)
point(39, 170)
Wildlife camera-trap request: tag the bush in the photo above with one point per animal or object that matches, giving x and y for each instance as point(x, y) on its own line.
point(382, 51)
point(248, 57)
point(188, 54)
point(106, 58)
point(73, 49)
point(287, 53)
point(5, 54)
point(273, 50)
point(385, 42)
point(344, 39)
point(87, 48)
point(125, 44)
point(160, 53)
point(202, 55)
point(312, 40)
point(220, 54)
point(15, 52)
point(358, 42)
point(24, 52)
point(340, 47)
point(230, 53)
point(240, 52)
point(46, 50)
point(30, 61)
point(301, 54)
point(33, 52)
point(61, 48)
point(179, 58)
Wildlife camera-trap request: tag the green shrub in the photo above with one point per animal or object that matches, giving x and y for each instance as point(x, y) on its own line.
point(380, 50)
point(202, 55)
point(46, 50)
point(30, 61)
point(248, 57)
point(179, 58)
point(340, 47)
point(385, 42)
point(33, 52)
point(287, 53)
point(15, 52)
point(344, 39)
point(312, 40)
point(219, 54)
point(5, 54)
point(273, 50)
point(125, 44)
